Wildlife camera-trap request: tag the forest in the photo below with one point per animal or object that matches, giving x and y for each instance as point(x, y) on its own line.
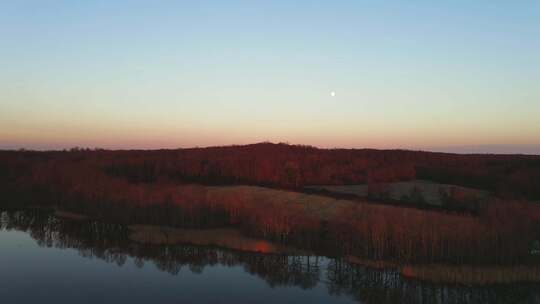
point(260, 189)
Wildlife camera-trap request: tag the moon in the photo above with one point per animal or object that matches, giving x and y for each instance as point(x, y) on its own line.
point(332, 93)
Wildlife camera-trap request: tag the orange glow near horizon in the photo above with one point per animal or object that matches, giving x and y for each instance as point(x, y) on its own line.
point(179, 75)
point(155, 140)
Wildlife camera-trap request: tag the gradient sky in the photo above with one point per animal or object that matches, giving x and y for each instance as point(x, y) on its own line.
point(165, 74)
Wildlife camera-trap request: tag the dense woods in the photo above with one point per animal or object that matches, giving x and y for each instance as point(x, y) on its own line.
point(201, 188)
point(288, 166)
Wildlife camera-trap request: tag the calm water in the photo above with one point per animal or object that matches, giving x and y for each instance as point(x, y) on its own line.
point(47, 260)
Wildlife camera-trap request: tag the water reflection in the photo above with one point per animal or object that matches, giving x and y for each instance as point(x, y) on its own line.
point(109, 242)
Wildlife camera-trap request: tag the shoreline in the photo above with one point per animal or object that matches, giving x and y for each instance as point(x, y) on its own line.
point(233, 239)
point(472, 275)
point(228, 237)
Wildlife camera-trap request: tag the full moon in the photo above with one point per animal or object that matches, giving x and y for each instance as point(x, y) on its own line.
point(332, 93)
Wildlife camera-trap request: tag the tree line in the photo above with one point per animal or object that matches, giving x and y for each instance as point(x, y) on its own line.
point(156, 187)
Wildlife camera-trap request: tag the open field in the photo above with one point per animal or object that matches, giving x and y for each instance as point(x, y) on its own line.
point(431, 192)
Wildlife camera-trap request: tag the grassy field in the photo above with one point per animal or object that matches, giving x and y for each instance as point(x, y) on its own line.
point(230, 238)
point(399, 191)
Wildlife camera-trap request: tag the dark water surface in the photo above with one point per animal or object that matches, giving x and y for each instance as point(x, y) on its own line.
point(44, 259)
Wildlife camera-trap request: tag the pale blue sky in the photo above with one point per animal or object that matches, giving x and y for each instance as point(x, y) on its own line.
point(148, 74)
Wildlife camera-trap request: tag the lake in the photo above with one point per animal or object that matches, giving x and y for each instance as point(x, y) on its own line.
point(44, 259)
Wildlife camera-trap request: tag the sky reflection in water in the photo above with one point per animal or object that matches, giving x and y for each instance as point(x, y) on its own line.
point(58, 261)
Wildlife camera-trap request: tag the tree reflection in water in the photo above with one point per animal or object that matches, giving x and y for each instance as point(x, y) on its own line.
point(109, 242)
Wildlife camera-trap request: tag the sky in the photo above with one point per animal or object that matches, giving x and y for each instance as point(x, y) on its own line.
point(439, 75)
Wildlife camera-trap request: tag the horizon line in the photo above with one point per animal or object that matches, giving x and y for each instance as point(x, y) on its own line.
point(481, 149)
